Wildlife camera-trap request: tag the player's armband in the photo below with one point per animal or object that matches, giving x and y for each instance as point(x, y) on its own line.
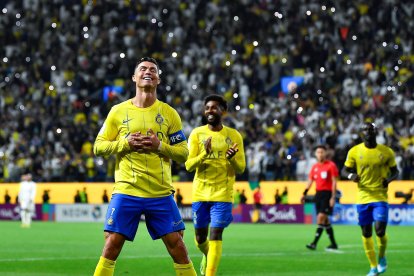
point(177, 137)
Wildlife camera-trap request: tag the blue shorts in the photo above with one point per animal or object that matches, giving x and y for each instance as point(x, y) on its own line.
point(216, 213)
point(370, 212)
point(161, 215)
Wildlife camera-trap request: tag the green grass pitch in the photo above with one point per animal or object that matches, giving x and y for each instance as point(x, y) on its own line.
point(49, 248)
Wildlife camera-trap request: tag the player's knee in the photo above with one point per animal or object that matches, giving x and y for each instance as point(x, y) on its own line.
point(380, 232)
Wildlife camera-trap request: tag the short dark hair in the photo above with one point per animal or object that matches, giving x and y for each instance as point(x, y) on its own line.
point(217, 98)
point(149, 59)
point(320, 147)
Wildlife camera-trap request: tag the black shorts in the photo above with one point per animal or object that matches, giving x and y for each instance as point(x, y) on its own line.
point(322, 202)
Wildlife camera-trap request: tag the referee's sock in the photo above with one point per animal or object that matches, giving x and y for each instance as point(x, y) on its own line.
point(318, 233)
point(330, 232)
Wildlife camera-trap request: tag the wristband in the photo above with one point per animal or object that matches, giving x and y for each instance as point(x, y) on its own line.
point(350, 176)
point(305, 191)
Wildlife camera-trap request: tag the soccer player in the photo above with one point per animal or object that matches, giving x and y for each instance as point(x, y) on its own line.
point(145, 134)
point(324, 173)
point(27, 194)
point(216, 154)
point(373, 167)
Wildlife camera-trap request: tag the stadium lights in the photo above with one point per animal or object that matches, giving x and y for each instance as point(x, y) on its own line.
point(160, 24)
point(354, 37)
point(255, 43)
point(194, 86)
point(122, 55)
point(308, 13)
point(348, 61)
point(332, 9)
point(164, 11)
point(339, 51)
point(170, 34)
point(396, 46)
point(236, 18)
point(53, 68)
point(69, 83)
point(174, 54)
point(18, 23)
point(284, 60)
point(58, 130)
point(235, 95)
point(153, 21)
point(18, 15)
point(228, 63)
point(5, 59)
point(323, 8)
point(51, 87)
point(21, 107)
point(86, 35)
point(275, 122)
point(322, 69)
point(396, 68)
point(384, 44)
point(233, 52)
point(54, 25)
point(85, 29)
point(27, 59)
point(237, 107)
point(4, 10)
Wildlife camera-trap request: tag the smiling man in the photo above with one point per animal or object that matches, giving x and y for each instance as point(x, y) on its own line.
point(216, 154)
point(145, 134)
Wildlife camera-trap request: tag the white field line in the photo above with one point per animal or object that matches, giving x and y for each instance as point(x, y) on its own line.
point(228, 255)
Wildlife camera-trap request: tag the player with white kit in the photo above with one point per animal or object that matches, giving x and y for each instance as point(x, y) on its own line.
point(27, 194)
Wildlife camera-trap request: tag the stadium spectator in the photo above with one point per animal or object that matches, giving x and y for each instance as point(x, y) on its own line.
point(145, 134)
point(285, 195)
point(27, 195)
point(216, 154)
point(257, 200)
point(179, 198)
point(243, 198)
point(77, 197)
point(45, 197)
point(373, 167)
point(105, 198)
point(7, 197)
point(83, 196)
point(278, 197)
point(324, 173)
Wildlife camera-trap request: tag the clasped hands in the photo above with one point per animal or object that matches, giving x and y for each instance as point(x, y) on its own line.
point(144, 143)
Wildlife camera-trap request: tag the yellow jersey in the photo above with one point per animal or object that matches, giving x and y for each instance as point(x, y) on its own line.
point(142, 174)
point(372, 165)
point(215, 174)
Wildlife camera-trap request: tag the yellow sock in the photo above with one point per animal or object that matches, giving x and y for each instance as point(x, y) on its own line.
point(382, 245)
point(105, 267)
point(203, 247)
point(369, 250)
point(184, 269)
point(213, 257)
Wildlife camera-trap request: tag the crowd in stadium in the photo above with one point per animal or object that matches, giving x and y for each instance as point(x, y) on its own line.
point(60, 58)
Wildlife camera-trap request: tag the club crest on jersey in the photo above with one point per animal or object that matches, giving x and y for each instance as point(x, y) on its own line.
point(228, 141)
point(159, 119)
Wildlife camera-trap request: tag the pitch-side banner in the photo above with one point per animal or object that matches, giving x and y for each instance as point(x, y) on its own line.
point(398, 214)
point(292, 213)
point(12, 212)
point(80, 212)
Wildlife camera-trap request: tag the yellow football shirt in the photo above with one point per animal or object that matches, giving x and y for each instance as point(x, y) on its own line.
point(142, 174)
point(215, 174)
point(372, 165)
